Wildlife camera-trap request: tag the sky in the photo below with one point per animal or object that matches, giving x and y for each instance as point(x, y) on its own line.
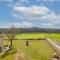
point(30, 13)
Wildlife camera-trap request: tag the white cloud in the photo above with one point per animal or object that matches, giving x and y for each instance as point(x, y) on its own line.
point(31, 13)
point(51, 17)
point(36, 13)
point(20, 11)
point(18, 25)
point(48, 25)
point(41, 13)
point(32, 10)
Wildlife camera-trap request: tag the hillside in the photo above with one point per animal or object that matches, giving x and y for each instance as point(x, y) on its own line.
point(33, 29)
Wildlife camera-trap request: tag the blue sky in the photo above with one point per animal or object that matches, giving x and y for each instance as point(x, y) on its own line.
point(30, 13)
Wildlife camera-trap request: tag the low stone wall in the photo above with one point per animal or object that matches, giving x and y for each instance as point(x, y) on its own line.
point(54, 45)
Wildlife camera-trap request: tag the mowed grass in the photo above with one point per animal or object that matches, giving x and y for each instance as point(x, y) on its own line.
point(54, 37)
point(31, 35)
point(37, 50)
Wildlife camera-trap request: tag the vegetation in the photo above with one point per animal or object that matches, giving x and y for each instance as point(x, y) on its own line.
point(11, 33)
point(37, 50)
point(54, 37)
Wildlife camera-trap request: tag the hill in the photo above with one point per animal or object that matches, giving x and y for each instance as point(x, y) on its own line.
point(33, 29)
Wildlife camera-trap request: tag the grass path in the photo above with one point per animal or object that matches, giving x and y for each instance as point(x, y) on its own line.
point(21, 56)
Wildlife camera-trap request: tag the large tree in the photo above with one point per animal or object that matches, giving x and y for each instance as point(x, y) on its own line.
point(11, 33)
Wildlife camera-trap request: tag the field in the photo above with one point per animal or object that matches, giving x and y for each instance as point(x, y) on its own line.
point(37, 50)
point(54, 37)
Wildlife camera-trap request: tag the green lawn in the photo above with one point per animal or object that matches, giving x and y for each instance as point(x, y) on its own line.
point(38, 50)
point(54, 37)
point(31, 35)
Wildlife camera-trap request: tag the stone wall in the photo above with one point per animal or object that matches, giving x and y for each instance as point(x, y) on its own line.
point(54, 45)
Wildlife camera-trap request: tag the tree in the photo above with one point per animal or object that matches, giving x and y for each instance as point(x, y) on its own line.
point(11, 33)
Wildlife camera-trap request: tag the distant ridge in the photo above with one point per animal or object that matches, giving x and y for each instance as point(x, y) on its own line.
point(33, 29)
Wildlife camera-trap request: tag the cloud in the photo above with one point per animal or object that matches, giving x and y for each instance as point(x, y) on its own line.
point(23, 25)
point(18, 25)
point(35, 13)
point(22, 11)
point(31, 13)
point(32, 10)
point(48, 25)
